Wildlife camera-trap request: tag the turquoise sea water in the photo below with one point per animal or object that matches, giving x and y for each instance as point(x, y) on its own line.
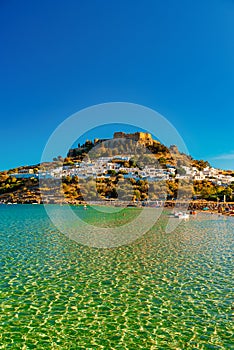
point(164, 291)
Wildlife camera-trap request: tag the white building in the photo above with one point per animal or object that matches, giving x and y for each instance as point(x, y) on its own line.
point(199, 176)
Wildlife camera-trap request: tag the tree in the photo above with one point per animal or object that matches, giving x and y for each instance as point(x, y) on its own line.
point(162, 160)
point(201, 164)
point(125, 191)
point(181, 171)
point(137, 195)
point(132, 163)
point(185, 190)
point(88, 189)
point(111, 172)
point(157, 190)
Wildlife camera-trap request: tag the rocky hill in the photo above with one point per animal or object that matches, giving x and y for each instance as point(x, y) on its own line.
point(137, 150)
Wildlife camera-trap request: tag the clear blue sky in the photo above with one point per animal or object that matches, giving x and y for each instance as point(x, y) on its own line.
point(58, 57)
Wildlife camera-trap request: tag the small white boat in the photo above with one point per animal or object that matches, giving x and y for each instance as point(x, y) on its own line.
point(182, 216)
point(85, 207)
point(177, 214)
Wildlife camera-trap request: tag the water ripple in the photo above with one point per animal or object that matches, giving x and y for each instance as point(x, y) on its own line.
point(165, 291)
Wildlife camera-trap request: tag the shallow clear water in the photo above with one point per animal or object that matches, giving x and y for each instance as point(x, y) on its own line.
point(164, 291)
